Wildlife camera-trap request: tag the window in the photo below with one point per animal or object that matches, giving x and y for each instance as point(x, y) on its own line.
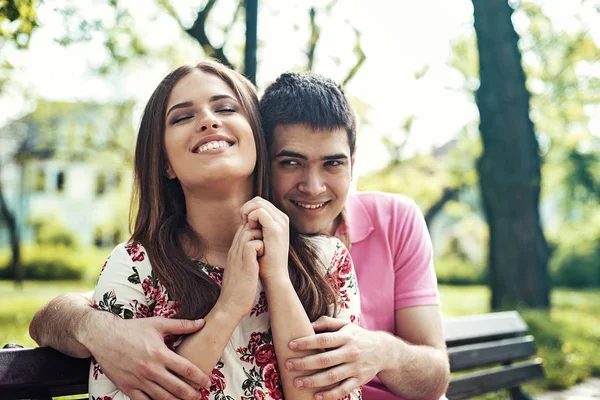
point(60, 182)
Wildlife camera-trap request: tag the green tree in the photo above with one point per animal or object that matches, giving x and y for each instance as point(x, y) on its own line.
point(509, 167)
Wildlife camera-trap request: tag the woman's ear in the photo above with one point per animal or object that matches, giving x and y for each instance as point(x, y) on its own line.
point(169, 173)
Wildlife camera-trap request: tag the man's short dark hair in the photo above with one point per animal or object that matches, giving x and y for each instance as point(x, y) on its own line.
point(309, 99)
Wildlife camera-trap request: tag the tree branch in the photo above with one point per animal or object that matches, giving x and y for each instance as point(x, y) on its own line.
point(359, 62)
point(198, 30)
point(315, 34)
point(447, 195)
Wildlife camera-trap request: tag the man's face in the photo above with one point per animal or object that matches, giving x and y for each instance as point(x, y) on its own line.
point(311, 172)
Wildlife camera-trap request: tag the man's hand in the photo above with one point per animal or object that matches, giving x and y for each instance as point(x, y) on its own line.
point(352, 357)
point(133, 355)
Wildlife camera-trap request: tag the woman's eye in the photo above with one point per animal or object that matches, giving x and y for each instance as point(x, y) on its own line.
point(226, 110)
point(181, 119)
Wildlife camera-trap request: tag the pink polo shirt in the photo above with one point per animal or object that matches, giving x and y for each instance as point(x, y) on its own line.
point(393, 260)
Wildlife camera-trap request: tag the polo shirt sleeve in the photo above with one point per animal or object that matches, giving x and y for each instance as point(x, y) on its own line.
point(416, 282)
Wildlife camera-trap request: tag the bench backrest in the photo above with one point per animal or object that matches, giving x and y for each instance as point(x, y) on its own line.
point(489, 340)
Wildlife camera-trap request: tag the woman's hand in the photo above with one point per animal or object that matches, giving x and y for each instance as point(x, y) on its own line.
point(240, 278)
point(261, 214)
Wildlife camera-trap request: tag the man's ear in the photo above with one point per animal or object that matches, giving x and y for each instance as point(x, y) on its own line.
point(352, 165)
point(169, 173)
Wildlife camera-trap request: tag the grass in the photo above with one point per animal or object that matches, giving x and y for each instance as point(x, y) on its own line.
point(19, 306)
point(567, 337)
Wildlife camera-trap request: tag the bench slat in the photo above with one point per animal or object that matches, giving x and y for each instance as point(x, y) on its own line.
point(41, 372)
point(477, 383)
point(485, 327)
point(483, 354)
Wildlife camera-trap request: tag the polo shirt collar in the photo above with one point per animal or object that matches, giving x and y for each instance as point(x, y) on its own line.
point(358, 218)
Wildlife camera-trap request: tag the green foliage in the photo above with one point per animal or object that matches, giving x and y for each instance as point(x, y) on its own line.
point(455, 270)
point(50, 232)
point(567, 337)
point(576, 260)
point(18, 19)
point(52, 262)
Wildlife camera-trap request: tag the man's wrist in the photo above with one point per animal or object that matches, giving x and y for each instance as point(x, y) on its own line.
point(90, 322)
point(394, 349)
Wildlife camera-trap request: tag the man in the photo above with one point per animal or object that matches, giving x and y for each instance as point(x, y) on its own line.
point(398, 351)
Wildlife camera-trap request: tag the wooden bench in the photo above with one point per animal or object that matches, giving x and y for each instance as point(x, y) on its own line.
point(474, 342)
point(496, 346)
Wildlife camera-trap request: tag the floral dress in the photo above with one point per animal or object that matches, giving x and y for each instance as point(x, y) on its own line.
point(248, 367)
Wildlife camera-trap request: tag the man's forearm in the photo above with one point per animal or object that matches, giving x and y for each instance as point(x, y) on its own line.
point(414, 372)
point(59, 324)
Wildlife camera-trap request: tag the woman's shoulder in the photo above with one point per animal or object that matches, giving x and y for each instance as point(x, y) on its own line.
point(127, 257)
point(331, 249)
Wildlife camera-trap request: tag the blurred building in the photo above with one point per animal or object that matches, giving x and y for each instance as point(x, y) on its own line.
point(69, 165)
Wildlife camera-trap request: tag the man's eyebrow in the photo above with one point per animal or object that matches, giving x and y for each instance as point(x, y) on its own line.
point(338, 156)
point(287, 153)
point(214, 98)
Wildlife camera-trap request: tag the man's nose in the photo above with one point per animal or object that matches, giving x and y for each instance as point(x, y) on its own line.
point(312, 184)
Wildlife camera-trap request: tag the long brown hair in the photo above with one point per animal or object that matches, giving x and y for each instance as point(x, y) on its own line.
point(158, 210)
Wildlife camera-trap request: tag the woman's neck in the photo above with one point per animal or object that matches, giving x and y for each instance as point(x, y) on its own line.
point(215, 216)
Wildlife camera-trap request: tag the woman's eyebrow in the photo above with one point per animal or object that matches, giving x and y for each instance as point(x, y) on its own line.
point(222, 96)
point(214, 98)
point(179, 105)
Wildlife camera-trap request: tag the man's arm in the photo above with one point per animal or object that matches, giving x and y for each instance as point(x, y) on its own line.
point(418, 366)
point(414, 367)
point(57, 323)
point(69, 324)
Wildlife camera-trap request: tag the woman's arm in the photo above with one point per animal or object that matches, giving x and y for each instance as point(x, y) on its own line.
point(240, 281)
point(344, 357)
point(288, 321)
point(287, 316)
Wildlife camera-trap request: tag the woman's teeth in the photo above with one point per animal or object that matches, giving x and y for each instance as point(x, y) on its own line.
point(309, 206)
point(212, 145)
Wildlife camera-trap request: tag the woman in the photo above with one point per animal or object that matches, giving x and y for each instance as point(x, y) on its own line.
point(207, 244)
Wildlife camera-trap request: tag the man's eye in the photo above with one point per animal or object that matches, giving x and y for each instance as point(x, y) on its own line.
point(333, 163)
point(289, 163)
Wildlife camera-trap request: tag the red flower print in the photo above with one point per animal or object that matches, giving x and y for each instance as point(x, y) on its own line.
point(260, 307)
point(217, 380)
point(166, 309)
point(255, 341)
point(264, 355)
point(135, 252)
point(259, 394)
point(272, 381)
point(97, 370)
point(344, 266)
point(216, 276)
point(140, 310)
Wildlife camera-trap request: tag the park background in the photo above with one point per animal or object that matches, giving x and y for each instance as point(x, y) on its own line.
point(485, 112)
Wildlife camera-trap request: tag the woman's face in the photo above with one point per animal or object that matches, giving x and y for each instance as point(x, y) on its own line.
point(208, 140)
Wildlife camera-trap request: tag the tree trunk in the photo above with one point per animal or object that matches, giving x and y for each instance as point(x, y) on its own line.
point(15, 243)
point(509, 167)
point(251, 40)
